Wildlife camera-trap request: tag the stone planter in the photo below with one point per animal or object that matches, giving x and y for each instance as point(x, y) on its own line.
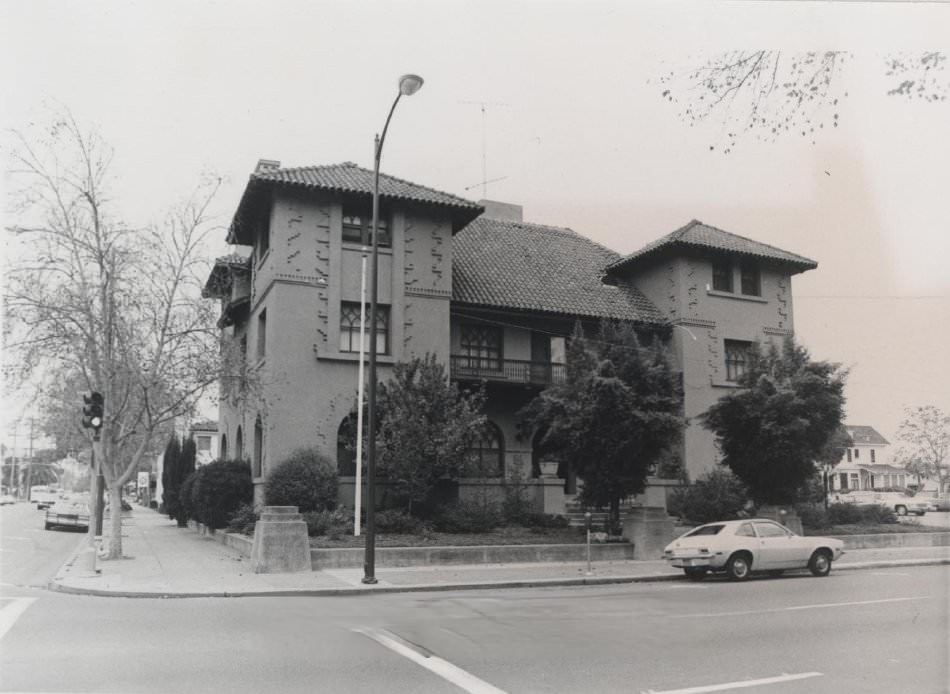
point(548, 468)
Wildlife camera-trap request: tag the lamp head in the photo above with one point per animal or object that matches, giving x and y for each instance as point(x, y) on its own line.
point(409, 84)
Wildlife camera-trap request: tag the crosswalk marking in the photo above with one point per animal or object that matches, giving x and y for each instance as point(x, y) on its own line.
point(11, 612)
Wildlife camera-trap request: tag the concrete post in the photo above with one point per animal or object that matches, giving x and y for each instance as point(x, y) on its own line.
point(281, 544)
point(650, 529)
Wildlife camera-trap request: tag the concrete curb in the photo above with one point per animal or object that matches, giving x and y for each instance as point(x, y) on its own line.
point(443, 587)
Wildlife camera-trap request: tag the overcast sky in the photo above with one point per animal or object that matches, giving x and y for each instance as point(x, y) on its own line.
point(574, 130)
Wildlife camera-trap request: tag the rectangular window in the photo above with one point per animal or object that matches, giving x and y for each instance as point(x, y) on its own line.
point(857, 454)
point(737, 358)
point(262, 334)
point(849, 454)
point(855, 481)
point(751, 281)
point(843, 480)
point(872, 456)
point(358, 226)
point(482, 344)
point(722, 277)
point(350, 328)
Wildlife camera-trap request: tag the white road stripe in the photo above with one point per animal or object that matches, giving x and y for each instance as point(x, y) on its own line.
point(11, 612)
point(735, 685)
point(442, 668)
point(887, 573)
point(798, 607)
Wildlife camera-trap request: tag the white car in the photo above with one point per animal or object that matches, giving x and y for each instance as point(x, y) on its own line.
point(900, 503)
point(740, 547)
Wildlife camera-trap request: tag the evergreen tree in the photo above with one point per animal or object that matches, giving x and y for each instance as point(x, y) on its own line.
point(171, 481)
point(617, 414)
point(774, 430)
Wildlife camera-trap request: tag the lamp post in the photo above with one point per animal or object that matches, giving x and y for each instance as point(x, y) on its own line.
point(408, 85)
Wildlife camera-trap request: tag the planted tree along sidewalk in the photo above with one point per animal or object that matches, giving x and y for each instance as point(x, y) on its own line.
point(113, 307)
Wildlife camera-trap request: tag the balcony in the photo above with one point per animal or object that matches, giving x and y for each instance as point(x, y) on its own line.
point(516, 371)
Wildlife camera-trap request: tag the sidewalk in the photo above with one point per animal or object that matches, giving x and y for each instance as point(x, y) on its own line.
point(163, 560)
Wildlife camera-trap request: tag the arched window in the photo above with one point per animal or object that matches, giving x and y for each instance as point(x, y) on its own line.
point(224, 447)
point(486, 457)
point(256, 467)
point(239, 445)
point(346, 447)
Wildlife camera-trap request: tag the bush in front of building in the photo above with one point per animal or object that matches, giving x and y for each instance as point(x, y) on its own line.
point(243, 520)
point(717, 495)
point(333, 524)
point(186, 497)
point(306, 479)
point(853, 514)
point(398, 522)
point(219, 489)
point(468, 517)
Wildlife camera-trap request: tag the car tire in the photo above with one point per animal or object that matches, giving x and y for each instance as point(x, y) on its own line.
point(739, 566)
point(694, 574)
point(820, 563)
point(900, 510)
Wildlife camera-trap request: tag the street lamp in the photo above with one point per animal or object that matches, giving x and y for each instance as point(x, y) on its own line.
point(408, 85)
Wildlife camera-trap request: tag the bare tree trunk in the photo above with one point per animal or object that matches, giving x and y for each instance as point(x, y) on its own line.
point(115, 522)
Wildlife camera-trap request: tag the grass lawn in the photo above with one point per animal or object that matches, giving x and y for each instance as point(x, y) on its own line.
point(501, 536)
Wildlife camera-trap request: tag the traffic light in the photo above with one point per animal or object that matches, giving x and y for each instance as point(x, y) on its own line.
point(92, 411)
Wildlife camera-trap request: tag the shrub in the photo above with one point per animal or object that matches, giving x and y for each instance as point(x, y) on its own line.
point(394, 521)
point(335, 523)
point(243, 520)
point(717, 495)
point(186, 497)
point(220, 488)
point(515, 507)
point(546, 520)
point(812, 515)
point(844, 514)
point(875, 513)
point(468, 517)
point(306, 479)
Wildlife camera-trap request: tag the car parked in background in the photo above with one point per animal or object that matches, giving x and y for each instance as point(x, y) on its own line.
point(937, 501)
point(900, 502)
point(740, 547)
point(67, 513)
point(6, 499)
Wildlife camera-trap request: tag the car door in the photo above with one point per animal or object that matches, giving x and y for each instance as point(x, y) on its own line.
point(776, 548)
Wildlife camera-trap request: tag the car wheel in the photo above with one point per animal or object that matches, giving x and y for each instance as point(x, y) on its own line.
point(695, 574)
point(820, 563)
point(739, 566)
point(901, 510)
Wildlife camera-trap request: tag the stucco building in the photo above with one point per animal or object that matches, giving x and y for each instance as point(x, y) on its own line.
point(493, 297)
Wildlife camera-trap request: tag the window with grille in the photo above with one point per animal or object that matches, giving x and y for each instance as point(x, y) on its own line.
point(722, 277)
point(358, 227)
point(738, 353)
point(486, 457)
point(481, 345)
point(350, 328)
point(751, 281)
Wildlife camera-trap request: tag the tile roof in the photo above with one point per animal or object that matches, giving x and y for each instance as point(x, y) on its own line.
point(352, 179)
point(516, 265)
point(864, 435)
point(219, 281)
point(697, 235)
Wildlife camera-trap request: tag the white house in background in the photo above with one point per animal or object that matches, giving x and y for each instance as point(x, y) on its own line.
point(866, 462)
point(207, 441)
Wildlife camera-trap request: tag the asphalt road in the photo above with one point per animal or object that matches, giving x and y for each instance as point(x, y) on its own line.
point(858, 631)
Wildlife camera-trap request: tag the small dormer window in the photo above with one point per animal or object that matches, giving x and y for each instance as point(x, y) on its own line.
point(722, 277)
point(358, 226)
point(751, 281)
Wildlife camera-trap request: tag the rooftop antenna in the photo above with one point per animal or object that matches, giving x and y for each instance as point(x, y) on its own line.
point(485, 180)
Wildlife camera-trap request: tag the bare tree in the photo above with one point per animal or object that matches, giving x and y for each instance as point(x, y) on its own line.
point(925, 443)
point(113, 306)
point(767, 94)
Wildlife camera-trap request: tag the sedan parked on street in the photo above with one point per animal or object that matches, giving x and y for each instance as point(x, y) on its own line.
point(67, 514)
point(900, 503)
point(740, 547)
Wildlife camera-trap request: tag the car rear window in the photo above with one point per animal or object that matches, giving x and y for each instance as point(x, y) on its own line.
point(705, 530)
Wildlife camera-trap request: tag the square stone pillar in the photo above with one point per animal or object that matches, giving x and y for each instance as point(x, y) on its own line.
point(281, 544)
point(650, 529)
point(552, 494)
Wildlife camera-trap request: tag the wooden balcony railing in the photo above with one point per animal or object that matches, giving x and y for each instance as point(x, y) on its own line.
point(542, 373)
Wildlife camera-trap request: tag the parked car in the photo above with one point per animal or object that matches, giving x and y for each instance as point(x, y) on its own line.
point(937, 501)
point(67, 514)
point(901, 503)
point(6, 499)
point(740, 547)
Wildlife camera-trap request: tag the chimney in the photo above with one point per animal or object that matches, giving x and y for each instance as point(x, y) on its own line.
point(266, 165)
point(503, 211)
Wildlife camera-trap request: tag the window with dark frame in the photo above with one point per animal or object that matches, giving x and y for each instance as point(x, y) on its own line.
point(857, 454)
point(486, 457)
point(751, 280)
point(722, 276)
point(358, 227)
point(738, 354)
point(872, 456)
point(482, 345)
point(849, 454)
point(262, 334)
point(350, 328)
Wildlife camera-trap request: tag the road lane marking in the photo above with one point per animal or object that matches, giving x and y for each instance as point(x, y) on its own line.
point(742, 684)
point(888, 573)
point(11, 612)
point(798, 607)
point(456, 675)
